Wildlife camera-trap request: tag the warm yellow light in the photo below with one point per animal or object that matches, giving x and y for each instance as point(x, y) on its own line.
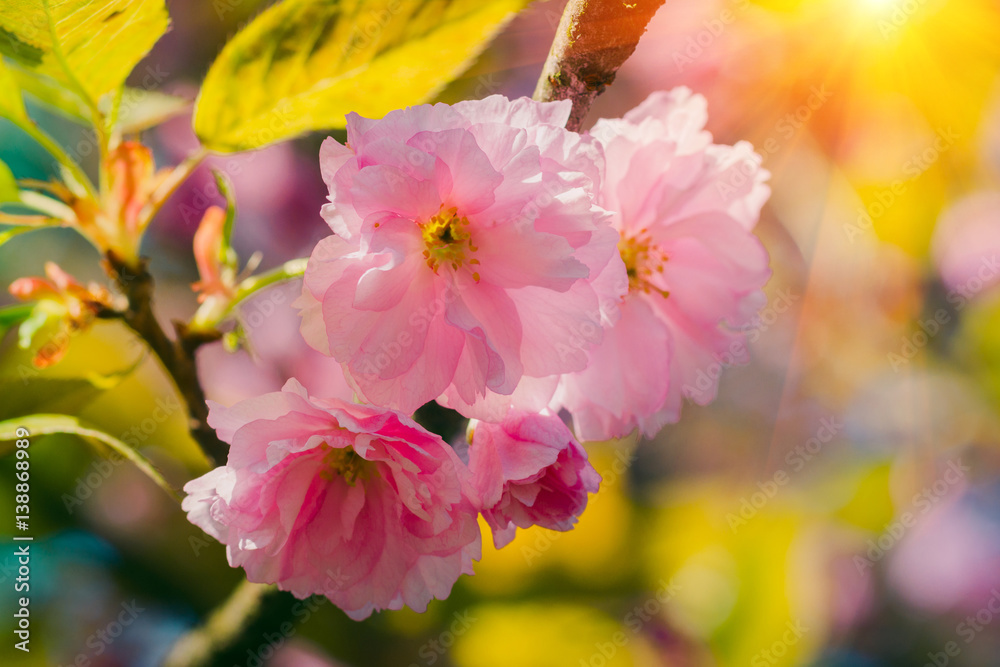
point(876, 5)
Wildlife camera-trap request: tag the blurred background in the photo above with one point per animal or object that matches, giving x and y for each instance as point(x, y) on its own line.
point(838, 505)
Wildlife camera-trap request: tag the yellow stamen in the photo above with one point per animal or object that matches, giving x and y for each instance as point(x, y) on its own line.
point(447, 240)
point(343, 462)
point(642, 259)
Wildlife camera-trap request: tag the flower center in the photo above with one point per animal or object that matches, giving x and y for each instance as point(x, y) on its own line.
point(643, 261)
point(343, 462)
point(446, 240)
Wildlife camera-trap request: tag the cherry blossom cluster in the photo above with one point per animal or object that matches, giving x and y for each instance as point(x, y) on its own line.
point(486, 258)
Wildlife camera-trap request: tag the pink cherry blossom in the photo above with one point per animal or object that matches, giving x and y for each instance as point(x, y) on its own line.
point(685, 208)
point(465, 243)
point(356, 503)
point(966, 244)
point(529, 470)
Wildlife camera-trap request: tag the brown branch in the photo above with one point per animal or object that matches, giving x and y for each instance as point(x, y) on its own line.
point(177, 356)
point(594, 39)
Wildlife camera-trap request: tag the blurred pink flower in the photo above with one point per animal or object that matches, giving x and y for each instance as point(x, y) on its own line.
point(277, 188)
point(529, 470)
point(685, 208)
point(321, 496)
point(300, 653)
point(966, 247)
point(466, 241)
point(950, 560)
point(274, 352)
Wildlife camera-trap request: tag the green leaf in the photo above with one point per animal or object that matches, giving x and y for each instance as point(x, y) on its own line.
point(88, 45)
point(39, 317)
point(142, 109)
point(23, 397)
point(8, 234)
point(31, 426)
point(303, 64)
point(36, 393)
point(8, 185)
point(12, 316)
point(11, 103)
point(53, 95)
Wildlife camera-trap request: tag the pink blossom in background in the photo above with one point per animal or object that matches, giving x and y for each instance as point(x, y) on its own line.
point(321, 496)
point(529, 470)
point(466, 243)
point(277, 188)
point(966, 246)
point(274, 352)
point(685, 208)
point(949, 561)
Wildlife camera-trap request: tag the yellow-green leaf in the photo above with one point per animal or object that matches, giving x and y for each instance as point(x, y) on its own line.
point(7, 235)
point(303, 64)
point(88, 45)
point(8, 185)
point(59, 395)
point(139, 110)
point(12, 316)
point(11, 103)
point(55, 96)
point(142, 109)
point(31, 426)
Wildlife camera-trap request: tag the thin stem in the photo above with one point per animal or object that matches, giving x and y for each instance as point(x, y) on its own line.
point(594, 39)
point(172, 181)
point(177, 356)
point(43, 424)
point(53, 207)
point(23, 221)
point(223, 627)
point(209, 317)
